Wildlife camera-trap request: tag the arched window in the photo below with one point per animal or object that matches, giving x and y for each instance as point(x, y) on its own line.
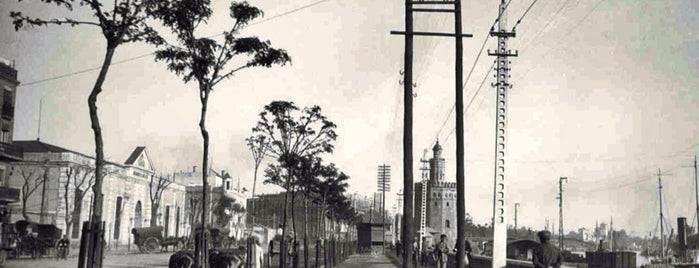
point(447, 224)
point(435, 204)
point(447, 204)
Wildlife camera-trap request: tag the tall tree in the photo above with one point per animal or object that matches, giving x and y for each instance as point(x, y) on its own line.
point(332, 186)
point(125, 23)
point(205, 60)
point(79, 178)
point(258, 147)
point(290, 136)
point(156, 187)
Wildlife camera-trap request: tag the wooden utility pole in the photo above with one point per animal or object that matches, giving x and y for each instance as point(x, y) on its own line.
point(696, 190)
point(502, 86)
point(460, 172)
point(560, 212)
point(384, 182)
point(662, 229)
point(408, 212)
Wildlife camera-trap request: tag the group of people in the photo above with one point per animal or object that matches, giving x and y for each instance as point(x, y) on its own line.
point(546, 255)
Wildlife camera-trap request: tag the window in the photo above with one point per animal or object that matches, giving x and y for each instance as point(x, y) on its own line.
point(117, 218)
point(447, 224)
point(435, 204)
point(447, 204)
point(8, 106)
point(228, 185)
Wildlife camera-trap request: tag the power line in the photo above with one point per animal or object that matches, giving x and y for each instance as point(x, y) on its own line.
point(146, 55)
point(468, 77)
point(522, 17)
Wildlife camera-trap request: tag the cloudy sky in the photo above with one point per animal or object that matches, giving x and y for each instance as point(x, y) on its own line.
point(605, 93)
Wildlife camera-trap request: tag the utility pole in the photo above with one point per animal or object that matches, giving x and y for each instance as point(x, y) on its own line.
point(696, 190)
point(560, 212)
point(516, 206)
point(384, 183)
point(408, 213)
point(662, 230)
point(502, 85)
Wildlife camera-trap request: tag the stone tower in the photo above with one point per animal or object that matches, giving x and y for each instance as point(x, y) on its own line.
point(441, 201)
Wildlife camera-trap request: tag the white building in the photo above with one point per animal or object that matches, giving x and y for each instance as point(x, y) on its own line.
point(126, 190)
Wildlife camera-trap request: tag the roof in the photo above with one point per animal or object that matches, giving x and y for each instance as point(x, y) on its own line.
point(437, 147)
point(36, 146)
point(134, 155)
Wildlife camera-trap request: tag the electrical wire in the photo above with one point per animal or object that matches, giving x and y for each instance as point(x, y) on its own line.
point(146, 55)
point(475, 62)
point(522, 17)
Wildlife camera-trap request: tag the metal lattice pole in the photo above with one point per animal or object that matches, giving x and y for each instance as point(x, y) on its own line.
point(502, 86)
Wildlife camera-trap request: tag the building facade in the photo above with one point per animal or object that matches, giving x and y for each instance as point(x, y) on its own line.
point(220, 186)
point(68, 174)
point(440, 205)
point(8, 152)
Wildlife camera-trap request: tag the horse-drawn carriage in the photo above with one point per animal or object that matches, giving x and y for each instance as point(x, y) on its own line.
point(33, 239)
point(150, 239)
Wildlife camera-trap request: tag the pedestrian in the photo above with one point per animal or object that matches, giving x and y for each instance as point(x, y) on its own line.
point(442, 251)
point(415, 251)
point(546, 255)
point(257, 254)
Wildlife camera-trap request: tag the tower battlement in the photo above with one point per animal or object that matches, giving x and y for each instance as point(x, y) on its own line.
point(442, 184)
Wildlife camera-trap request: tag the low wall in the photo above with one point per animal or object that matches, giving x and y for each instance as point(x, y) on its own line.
point(485, 262)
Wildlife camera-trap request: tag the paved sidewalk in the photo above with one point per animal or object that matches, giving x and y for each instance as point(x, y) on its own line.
point(367, 261)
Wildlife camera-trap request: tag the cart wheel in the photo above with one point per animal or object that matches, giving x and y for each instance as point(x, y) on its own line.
point(151, 245)
point(3, 258)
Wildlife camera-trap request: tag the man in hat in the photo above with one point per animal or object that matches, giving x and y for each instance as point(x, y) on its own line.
point(546, 255)
point(441, 252)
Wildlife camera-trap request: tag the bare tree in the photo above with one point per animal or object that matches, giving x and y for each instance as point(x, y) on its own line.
point(156, 187)
point(81, 178)
point(258, 147)
point(32, 179)
point(125, 23)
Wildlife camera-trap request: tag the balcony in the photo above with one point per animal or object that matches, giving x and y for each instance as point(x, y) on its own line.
point(9, 152)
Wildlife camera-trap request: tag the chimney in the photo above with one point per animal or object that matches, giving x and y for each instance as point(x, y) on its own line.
point(194, 169)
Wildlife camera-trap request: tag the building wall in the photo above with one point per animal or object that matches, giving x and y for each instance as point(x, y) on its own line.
point(119, 183)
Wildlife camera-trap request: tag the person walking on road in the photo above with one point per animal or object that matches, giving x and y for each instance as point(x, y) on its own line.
point(546, 255)
point(442, 251)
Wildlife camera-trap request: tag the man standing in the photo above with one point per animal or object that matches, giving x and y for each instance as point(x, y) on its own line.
point(441, 252)
point(546, 255)
point(415, 251)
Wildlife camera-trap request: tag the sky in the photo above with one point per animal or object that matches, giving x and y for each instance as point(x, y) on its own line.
point(605, 93)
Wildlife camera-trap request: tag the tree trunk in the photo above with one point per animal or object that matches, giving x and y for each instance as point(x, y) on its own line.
point(293, 214)
point(24, 209)
point(97, 129)
point(68, 215)
point(154, 214)
point(205, 169)
point(305, 231)
point(283, 245)
point(254, 183)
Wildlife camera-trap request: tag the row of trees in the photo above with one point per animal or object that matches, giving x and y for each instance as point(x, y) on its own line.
point(296, 140)
point(203, 60)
